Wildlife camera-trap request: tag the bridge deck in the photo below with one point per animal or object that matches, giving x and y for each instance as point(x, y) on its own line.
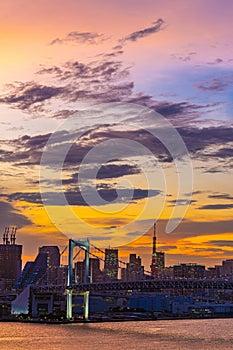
point(143, 285)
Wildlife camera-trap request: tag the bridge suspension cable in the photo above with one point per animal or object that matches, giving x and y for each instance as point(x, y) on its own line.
point(119, 260)
point(63, 251)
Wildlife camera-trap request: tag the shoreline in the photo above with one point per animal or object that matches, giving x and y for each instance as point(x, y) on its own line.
point(108, 320)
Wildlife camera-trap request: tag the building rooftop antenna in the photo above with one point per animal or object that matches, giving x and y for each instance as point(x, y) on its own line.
point(7, 233)
point(4, 236)
point(13, 234)
point(154, 240)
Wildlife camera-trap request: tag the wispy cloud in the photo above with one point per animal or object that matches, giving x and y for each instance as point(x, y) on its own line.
point(29, 95)
point(192, 228)
point(184, 58)
point(157, 26)
point(221, 243)
point(117, 170)
point(216, 61)
point(216, 84)
point(98, 81)
point(75, 197)
point(27, 150)
point(104, 70)
point(225, 196)
point(10, 216)
point(76, 37)
point(216, 206)
point(181, 202)
point(219, 153)
point(109, 171)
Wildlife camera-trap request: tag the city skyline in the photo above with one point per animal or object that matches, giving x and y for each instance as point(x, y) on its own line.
point(174, 58)
point(55, 256)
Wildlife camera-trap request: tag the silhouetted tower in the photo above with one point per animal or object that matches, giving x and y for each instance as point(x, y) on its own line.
point(157, 261)
point(10, 259)
point(154, 240)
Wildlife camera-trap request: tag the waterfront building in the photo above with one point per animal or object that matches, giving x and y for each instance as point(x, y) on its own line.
point(190, 270)
point(167, 272)
point(227, 268)
point(44, 270)
point(10, 259)
point(213, 272)
point(224, 270)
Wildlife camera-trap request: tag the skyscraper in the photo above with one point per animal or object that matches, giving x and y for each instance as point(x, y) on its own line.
point(44, 270)
point(94, 270)
point(111, 264)
point(52, 255)
point(10, 259)
point(134, 270)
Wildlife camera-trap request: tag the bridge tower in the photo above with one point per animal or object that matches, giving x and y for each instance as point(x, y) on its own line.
point(69, 291)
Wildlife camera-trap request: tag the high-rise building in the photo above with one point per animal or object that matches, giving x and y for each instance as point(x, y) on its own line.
point(158, 258)
point(190, 270)
point(10, 259)
point(57, 275)
point(95, 272)
point(227, 268)
point(111, 264)
point(134, 270)
point(51, 254)
point(224, 270)
point(44, 270)
point(79, 271)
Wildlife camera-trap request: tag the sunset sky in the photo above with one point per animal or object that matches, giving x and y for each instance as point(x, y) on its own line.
point(82, 70)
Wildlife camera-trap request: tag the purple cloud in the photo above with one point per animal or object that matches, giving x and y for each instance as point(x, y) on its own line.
point(80, 38)
point(156, 27)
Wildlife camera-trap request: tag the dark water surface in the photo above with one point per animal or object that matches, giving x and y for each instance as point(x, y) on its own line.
point(173, 335)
